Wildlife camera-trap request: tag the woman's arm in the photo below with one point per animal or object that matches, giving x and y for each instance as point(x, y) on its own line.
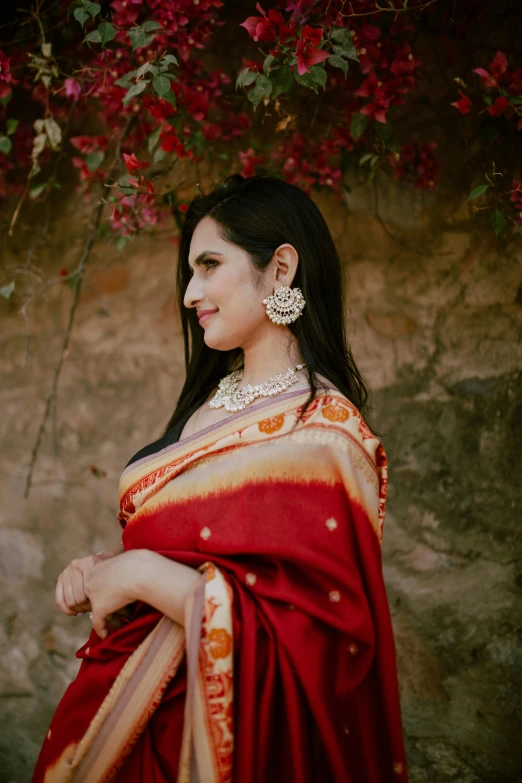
point(165, 584)
point(138, 575)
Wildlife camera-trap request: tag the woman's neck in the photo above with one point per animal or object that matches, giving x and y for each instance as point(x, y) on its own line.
point(263, 361)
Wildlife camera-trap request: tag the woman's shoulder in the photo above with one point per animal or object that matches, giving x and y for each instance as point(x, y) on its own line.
point(332, 413)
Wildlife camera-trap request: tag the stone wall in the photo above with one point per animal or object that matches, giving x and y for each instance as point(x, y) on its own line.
point(436, 326)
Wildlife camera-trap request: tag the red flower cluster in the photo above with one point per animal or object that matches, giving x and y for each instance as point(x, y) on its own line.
point(417, 160)
point(272, 27)
point(507, 83)
point(391, 68)
point(6, 77)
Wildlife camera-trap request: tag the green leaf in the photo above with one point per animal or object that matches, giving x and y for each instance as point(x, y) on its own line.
point(365, 158)
point(358, 125)
point(269, 59)
point(73, 282)
point(93, 37)
point(306, 80)
point(170, 59)
point(93, 8)
point(5, 145)
point(265, 83)
point(282, 81)
point(139, 37)
point(497, 221)
point(94, 160)
point(121, 242)
point(151, 25)
point(143, 69)
point(256, 95)
point(159, 155)
point(170, 97)
point(37, 190)
point(54, 133)
point(7, 290)
point(135, 90)
point(318, 74)
point(245, 77)
point(262, 89)
point(124, 81)
point(11, 125)
point(152, 141)
point(107, 32)
point(384, 130)
point(161, 85)
point(338, 62)
point(47, 49)
point(477, 192)
point(81, 15)
point(5, 100)
point(124, 180)
point(344, 37)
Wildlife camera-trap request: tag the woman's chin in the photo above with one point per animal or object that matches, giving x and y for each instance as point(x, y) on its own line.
point(219, 342)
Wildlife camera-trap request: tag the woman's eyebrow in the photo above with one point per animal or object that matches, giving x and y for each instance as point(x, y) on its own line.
point(203, 255)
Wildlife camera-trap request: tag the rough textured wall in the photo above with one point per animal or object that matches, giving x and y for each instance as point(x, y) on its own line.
point(436, 327)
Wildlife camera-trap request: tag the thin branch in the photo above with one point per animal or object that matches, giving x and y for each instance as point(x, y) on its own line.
point(89, 242)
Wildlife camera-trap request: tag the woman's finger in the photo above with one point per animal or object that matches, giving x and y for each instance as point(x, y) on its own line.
point(82, 603)
point(59, 597)
point(98, 625)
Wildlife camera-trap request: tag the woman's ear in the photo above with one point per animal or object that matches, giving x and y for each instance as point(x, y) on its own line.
point(285, 262)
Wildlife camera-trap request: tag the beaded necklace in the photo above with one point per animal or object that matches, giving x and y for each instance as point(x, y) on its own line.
point(234, 399)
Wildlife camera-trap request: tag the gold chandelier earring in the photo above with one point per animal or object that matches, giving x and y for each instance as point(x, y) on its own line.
point(285, 305)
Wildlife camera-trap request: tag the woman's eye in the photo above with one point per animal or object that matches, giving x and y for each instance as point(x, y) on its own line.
point(208, 261)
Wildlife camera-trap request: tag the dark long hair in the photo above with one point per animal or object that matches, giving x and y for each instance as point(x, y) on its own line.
point(258, 214)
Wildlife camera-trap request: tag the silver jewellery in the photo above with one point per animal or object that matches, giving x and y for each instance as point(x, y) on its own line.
point(232, 400)
point(285, 305)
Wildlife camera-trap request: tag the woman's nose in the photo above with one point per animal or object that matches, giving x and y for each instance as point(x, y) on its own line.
point(193, 293)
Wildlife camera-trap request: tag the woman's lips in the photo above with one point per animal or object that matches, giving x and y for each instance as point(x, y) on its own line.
point(205, 316)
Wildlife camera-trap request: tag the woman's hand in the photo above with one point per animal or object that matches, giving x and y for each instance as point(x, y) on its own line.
point(113, 584)
point(70, 593)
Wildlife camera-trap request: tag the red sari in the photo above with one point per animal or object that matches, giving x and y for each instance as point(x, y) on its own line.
point(285, 669)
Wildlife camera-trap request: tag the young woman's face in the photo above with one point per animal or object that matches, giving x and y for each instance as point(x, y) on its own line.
point(223, 282)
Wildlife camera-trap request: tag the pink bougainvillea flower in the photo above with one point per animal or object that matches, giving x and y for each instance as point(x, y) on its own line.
point(417, 160)
point(373, 87)
point(6, 77)
point(499, 106)
point(249, 160)
point(308, 55)
point(72, 89)
point(259, 29)
point(312, 34)
point(170, 142)
point(5, 69)
point(87, 144)
point(82, 143)
point(131, 161)
point(498, 68)
point(464, 104)
point(267, 27)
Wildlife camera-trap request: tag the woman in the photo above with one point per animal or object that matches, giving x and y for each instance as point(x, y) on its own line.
point(250, 637)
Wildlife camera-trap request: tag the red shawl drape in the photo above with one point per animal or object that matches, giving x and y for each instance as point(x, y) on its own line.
point(302, 687)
